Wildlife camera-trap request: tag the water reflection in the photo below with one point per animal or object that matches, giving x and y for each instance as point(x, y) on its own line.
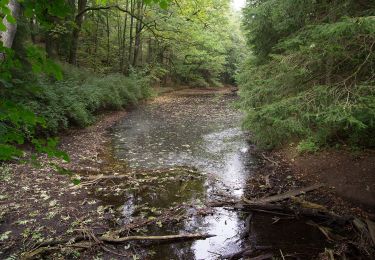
point(201, 132)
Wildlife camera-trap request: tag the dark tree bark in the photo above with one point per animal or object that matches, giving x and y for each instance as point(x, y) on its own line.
point(138, 30)
point(132, 4)
point(122, 62)
point(76, 31)
point(108, 33)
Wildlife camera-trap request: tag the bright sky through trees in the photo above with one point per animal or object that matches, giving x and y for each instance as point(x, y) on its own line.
point(238, 4)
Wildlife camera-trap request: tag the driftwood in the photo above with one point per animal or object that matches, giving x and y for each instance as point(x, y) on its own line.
point(103, 238)
point(166, 238)
point(284, 196)
point(291, 211)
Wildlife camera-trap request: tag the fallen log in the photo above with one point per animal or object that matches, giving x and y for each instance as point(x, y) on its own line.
point(103, 238)
point(166, 238)
point(55, 244)
point(283, 196)
point(292, 211)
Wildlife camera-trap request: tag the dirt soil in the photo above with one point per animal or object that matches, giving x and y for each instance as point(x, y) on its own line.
point(38, 203)
point(348, 178)
point(348, 191)
point(350, 175)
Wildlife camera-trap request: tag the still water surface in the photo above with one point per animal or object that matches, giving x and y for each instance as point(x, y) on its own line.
point(202, 132)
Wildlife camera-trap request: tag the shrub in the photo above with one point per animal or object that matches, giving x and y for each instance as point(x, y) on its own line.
point(76, 99)
point(315, 83)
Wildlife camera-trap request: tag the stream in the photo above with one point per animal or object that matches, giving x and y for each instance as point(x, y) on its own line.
point(202, 132)
point(197, 152)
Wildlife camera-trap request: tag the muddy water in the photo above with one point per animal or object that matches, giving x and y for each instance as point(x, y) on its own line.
point(187, 150)
point(201, 133)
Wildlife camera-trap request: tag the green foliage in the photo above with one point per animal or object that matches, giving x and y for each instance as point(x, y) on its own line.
point(202, 42)
point(76, 99)
point(314, 80)
point(18, 124)
point(307, 146)
point(190, 43)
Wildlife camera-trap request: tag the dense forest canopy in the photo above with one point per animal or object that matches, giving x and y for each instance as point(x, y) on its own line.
point(64, 60)
point(310, 76)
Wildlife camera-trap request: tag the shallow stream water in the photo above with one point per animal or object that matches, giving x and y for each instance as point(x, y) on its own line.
point(196, 152)
point(202, 132)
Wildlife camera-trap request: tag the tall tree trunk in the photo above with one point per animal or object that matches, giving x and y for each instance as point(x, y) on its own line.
point(119, 39)
point(51, 44)
point(7, 37)
point(149, 51)
point(131, 32)
point(124, 39)
point(76, 31)
point(96, 43)
point(108, 32)
point(138, 30)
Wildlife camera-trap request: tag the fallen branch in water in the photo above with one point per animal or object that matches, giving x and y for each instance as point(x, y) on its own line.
point(103, 238)
point(285, 210)
point(166, 238)
point(54, 244)
point(306, 212)
point(283, 196)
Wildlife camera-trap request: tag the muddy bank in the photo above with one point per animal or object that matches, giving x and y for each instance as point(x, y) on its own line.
point(349, 174)
point(348, 177)
point(40, 203)
point(341, 173)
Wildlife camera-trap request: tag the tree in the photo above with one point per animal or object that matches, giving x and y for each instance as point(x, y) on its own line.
point(310, 75)
point(9, 21)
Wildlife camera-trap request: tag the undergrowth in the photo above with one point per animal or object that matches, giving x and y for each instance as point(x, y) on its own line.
point(80, 95)
point(315, 83)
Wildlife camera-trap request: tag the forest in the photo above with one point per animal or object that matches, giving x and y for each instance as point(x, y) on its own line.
point(58, 54)
point(310, 76)
point(177, 129)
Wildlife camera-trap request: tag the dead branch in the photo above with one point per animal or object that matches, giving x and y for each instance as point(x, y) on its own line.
point(166, 238)
point(284, 196)
point(101, 239)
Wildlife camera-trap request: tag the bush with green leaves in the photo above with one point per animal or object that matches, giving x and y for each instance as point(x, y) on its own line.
point(80, 95)
point(314, 80)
